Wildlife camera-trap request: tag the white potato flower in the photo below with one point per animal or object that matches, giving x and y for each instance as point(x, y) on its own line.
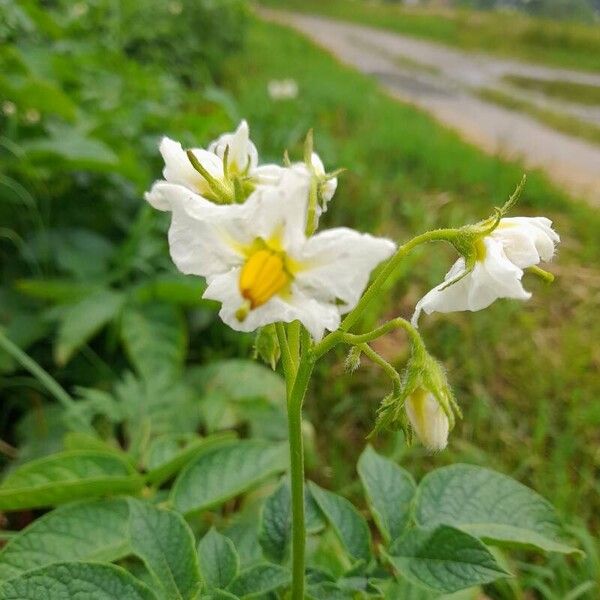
point(282, 89)
point(263, 269)
point(427, 419)
point(232, 155)
point(515, 244)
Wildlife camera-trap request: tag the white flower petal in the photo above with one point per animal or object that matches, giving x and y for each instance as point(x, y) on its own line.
point(337, 264)
point(209, 244)
point(280, 211)
point(527, 240)
point(242, 152)
point(428, 420)
point(179, 169)
point(494, 277)
point(315, 316)
point(268, 174)
point(167, 196)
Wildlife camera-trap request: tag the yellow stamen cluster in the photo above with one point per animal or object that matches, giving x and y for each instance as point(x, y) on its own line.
point(263, 275)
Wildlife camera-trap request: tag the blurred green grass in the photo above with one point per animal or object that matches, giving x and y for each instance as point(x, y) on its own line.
point(560, 121)
point(580, 93)
point(526, 375)
point(557, 43)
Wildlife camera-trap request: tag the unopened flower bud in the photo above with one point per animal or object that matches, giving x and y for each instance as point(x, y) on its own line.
point(352, 361)
point(266, 346)
point(428, 419)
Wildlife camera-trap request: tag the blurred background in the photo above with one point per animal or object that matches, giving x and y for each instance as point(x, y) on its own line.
point(435, 110)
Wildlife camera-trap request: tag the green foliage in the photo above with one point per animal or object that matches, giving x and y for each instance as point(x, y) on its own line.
point(346, 521)
point(94, 530)
point(466, 497)
point(219, 560)
point(163, 540)
point(444, 559)
point(66, 476)
point(71, 580)
point(225, 472)
point(389, 490)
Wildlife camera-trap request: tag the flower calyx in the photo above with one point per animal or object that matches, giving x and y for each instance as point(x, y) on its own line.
point(424, 406)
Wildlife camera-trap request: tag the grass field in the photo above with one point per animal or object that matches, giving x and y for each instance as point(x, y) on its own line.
point(562, 90)
point(554, 43)
point(526, 375)
point(560, 121)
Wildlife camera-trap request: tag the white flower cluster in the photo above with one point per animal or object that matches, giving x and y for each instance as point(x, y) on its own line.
point(249, 229)
point(252, 247)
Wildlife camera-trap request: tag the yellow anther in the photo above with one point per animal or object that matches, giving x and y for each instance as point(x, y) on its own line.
point(263, 275)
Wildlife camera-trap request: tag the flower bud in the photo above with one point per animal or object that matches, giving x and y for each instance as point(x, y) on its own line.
point(428, 419)
point(266, 346)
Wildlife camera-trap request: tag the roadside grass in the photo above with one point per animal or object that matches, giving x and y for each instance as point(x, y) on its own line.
point(526, 375)
point(560, 121)
point(579, 93)
point(556, 43)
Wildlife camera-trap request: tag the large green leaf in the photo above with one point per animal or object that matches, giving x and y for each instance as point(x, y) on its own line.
point(155, 338)
point(489, 505)
point(219, 560)
point(389, 490)
point(349, 525)
point(164, 541)
point(240, 380)
point(90, 530)
point(75, 581)
point(81, 321)
point(67, 476)
point(258, 580)
point(225, 472)
point(444, 559)
point(168, 454)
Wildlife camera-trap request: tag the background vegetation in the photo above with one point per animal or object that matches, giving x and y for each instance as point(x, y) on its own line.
point(88, 290)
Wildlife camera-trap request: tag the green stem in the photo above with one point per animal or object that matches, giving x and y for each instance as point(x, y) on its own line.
point(384, 364)
point(373, 290)
point(286, 358)
point(296, 394)
point(37, 371)
point(397, 323)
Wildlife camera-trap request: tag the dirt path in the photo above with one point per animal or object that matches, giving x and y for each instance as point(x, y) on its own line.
point(444, 81)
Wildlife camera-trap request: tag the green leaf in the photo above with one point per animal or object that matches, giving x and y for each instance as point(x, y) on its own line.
point(275, 529)
point(489, 505)
point(225, 472)
point(65, 477)
point(165, 543)
point(218, 595)
point(81, 321)
point(328, 590)
point(275, 524)
point(55, 290)
point(167, 456)
point(444, 559)
point(348, 524)
point(75, 581)
point(219, 560)
point(91, 530)
point(73, 148)
point(240, 380)
point(155, 339)
point(258, 580)
point(389, 490)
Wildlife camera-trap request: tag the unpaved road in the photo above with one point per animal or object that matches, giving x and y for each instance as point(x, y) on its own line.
point(444, 81)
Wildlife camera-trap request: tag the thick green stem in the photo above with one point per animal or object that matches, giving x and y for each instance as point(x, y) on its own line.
point(296, 395)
